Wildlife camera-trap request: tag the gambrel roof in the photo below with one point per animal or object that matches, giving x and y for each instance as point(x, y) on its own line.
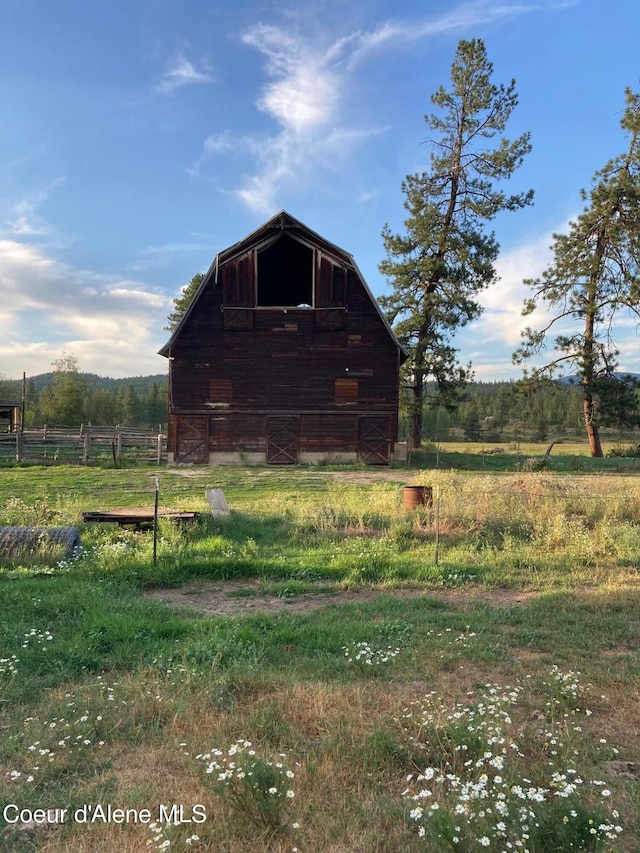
point(281, 223)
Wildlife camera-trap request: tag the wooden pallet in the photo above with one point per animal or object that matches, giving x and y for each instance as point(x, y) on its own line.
point(135, 516)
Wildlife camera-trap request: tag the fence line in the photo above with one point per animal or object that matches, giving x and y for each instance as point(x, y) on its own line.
point(80, 445)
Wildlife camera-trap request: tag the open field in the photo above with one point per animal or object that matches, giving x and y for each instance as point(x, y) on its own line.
point(564, 457)
point(484, 693)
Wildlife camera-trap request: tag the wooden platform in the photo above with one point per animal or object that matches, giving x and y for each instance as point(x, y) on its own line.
point(136, 516)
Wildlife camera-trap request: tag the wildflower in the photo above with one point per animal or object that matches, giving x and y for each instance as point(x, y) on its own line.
point(518, 808)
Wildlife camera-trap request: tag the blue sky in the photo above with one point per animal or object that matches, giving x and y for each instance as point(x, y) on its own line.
point(140, 137)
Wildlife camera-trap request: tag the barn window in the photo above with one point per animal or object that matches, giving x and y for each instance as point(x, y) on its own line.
point(346, 391)
point(285, 274)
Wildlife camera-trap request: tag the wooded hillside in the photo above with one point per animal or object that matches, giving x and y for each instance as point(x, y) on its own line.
point(73, 398)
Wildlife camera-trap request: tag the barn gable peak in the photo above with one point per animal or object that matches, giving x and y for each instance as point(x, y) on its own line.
point(262, 252)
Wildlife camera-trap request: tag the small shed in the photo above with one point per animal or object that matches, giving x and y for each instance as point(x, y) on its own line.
point(283, 357)
point(10, 416)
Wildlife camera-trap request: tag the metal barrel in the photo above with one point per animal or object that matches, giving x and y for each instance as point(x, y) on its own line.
point(418, 496)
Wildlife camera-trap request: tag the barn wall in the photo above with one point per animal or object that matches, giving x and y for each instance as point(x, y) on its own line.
point(284, 362)
point(238, 365)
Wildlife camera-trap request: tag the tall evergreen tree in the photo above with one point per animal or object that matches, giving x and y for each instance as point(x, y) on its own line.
point(594, 276)
point(182, 302)
point(445, 257)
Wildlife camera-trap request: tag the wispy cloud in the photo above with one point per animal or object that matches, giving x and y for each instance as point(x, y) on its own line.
point(308, 80)
point(155, 256)
point(21, 219)
point(182, 72)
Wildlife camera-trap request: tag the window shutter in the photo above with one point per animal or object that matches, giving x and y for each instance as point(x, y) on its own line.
point(330, 295)
point(237, 283)
point(237, 293)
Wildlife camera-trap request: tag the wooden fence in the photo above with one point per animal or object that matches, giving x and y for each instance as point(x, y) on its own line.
point(81, 445)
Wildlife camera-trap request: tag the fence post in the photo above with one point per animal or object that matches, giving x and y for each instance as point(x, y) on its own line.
point(155, 523)
point(19, 445)
point(437, 522)
point(118, 443)
point(86, 447)
point(159, 454)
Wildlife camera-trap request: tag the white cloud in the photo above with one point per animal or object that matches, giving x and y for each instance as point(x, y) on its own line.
point(113, 325)
point(490, 341)
point(138, 298)
point(182, 72)
point(503, 301)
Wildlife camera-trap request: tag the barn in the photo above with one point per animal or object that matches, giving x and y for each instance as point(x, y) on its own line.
point(283, 357)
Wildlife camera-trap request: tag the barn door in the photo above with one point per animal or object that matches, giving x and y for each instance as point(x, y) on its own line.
point(282, 441)
point(192, 440)
point(374, 441)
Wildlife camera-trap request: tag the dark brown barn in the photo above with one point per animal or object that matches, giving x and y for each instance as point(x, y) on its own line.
point(283, 356)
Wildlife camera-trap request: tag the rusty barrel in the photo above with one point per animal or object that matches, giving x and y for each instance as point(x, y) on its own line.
point(418, 496)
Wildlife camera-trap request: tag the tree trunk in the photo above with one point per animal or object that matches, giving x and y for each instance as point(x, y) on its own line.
point(416, 411)
point(588, 354)
point(420, 372)
point(593, 434)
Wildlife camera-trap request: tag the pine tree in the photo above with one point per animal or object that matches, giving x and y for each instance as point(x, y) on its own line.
point(445, 257)
point(182, 302)
point(594, 276)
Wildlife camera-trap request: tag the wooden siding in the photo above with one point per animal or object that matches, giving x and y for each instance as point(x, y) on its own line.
point(284, 362)
point(247, 371)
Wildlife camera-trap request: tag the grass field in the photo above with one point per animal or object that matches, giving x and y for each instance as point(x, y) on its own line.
point(564, 457)
point(481, 695)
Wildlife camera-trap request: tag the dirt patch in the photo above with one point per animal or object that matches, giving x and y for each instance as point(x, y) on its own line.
point(246, 597)
point(389, 475)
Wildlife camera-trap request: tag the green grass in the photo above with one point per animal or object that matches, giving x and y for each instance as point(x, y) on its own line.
point(112, 695)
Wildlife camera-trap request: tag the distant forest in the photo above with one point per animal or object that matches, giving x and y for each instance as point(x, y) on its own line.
point(488, 411)
point(501, 411)
point(73, 398)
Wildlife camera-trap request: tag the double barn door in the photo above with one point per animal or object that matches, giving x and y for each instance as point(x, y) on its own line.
point(374, 440)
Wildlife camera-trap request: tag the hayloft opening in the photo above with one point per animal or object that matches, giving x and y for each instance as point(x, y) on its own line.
point(285, 274)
